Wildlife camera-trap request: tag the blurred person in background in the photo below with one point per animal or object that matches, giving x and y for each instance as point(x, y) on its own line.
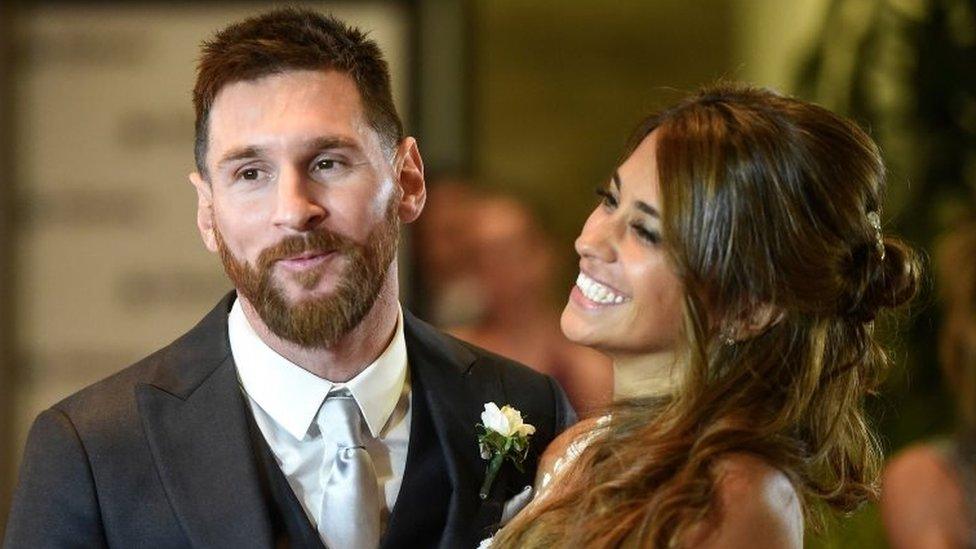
point(928, 499)
point(736, 263)
point(511, 261)
point(443, 242)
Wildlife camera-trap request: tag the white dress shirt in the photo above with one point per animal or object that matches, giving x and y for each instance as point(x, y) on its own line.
point(286, 398)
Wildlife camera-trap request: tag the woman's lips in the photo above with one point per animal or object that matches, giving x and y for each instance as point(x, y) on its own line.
point(598, 293)
point(591, 294)
point(577, 298)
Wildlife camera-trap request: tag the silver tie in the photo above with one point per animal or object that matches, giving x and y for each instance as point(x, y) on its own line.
point(351, 501)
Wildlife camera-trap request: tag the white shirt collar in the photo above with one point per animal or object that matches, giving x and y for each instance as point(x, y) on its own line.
point(292, 395)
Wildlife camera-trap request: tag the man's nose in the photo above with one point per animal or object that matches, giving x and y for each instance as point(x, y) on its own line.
point(297, 208)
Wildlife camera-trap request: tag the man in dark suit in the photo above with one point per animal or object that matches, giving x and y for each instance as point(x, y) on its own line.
point(307, 408)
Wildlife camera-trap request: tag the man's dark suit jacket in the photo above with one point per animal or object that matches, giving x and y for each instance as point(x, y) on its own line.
point(159, 455)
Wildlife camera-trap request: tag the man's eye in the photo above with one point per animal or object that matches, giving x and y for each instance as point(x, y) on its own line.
point(250, 174)
point(325, 164)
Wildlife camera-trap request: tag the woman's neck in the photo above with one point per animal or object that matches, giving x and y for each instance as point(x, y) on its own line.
point(645, 375)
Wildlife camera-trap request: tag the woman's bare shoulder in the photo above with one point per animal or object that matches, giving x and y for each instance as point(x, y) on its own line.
point(756, 506)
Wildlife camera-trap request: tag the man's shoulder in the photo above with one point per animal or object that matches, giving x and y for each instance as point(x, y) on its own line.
point(508, 368)
point(474, 358)
point(169, 368)
point(114, 391)
point(492, 377)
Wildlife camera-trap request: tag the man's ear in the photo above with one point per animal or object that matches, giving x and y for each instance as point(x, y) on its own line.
point(205, 221)
point(410, 177)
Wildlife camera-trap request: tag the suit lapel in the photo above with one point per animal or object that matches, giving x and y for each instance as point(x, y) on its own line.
point(456, 393)
point(194, 417)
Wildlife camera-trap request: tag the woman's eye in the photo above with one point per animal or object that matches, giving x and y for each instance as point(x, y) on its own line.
point(607, 198)
point(647, 235)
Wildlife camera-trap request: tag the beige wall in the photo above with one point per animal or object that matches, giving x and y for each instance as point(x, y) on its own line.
point(7, 405)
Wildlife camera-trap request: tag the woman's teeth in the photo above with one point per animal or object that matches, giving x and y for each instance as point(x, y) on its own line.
point(594, 291)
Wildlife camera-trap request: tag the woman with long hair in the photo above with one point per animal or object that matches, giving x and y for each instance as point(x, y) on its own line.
point(732, 271)
point(928, 500)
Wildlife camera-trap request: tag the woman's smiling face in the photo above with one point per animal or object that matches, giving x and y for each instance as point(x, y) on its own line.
point(627, 299)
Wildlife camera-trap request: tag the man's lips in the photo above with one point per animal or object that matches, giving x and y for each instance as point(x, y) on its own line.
point(305, 260)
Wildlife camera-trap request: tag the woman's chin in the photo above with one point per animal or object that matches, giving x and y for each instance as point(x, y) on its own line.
point(576, 329)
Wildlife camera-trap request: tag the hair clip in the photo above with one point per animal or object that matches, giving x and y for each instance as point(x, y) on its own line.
point(875, 221)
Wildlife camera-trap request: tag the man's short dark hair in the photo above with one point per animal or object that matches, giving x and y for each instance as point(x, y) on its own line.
point(294, 39)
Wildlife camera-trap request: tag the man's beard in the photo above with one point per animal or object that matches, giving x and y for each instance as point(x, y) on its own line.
point(318, 321)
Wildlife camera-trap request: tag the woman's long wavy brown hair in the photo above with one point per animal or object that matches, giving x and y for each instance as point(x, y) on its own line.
point(766, 202)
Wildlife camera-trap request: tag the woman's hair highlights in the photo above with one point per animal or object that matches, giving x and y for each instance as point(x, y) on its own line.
point(767, 201)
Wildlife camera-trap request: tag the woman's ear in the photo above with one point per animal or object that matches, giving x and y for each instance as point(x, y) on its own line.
point(757, 320)
point(763, 317)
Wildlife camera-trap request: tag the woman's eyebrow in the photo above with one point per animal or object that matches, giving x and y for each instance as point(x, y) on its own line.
point(647, 208)
point(642, 206)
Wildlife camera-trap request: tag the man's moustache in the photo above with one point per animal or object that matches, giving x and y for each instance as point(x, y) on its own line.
point(318, 242)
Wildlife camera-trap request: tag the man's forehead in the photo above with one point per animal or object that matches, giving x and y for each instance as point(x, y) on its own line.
point(301, 105)
point(327, 90)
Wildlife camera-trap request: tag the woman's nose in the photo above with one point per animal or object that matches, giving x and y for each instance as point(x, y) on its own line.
point(597, 240)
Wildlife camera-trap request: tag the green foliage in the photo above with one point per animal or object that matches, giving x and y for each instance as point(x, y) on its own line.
point(862, 530)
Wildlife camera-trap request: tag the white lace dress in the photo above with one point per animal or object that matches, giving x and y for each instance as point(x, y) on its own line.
point(568, 457)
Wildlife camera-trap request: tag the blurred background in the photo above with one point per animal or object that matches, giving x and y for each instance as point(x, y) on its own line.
point(521, 108)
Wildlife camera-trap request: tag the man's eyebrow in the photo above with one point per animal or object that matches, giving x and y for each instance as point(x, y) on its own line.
point(331, 142)
point(642, 206)
point(314, 144)
point(240, 154)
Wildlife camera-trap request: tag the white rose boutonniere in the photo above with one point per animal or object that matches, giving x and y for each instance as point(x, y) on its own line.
point(503, 435)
